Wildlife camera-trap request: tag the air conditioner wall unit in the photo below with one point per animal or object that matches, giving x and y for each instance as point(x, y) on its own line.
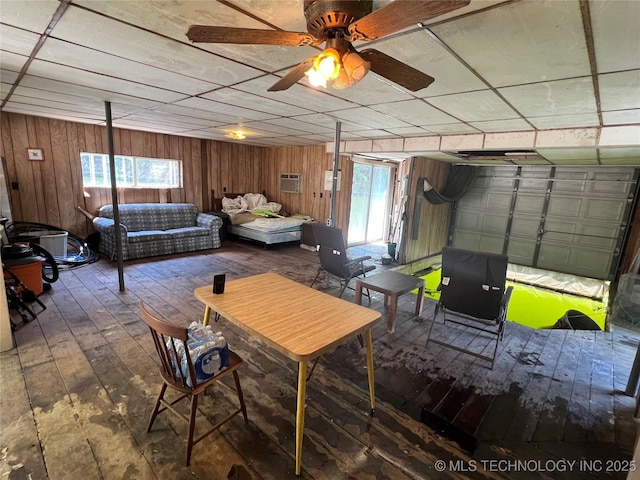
point(291, 182)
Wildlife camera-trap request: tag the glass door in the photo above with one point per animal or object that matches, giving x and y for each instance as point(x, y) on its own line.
point(370, 200)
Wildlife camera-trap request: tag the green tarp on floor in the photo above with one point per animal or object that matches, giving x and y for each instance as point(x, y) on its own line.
point(535, 307)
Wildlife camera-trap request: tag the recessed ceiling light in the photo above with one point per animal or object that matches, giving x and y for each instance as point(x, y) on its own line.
point(237, 135)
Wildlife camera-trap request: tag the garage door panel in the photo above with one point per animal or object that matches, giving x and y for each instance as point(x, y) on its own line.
point(589, 262)
point(494, 224)
point(565, 207)
point(599, 209)
point(604, 236)
point(521, 250)
point(583, 212)
point(525, 226)
point(529, 203)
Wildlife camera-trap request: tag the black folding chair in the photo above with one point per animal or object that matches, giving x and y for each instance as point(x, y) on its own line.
point(472, 294)
point(333, 257)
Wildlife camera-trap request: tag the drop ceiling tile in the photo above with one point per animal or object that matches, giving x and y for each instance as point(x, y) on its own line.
point(243, 114)
point(616, 34)
point(422, 52)
point(212, 117)
point(414, 112)
point(570, 138)
point(452, 129)
point(51, 87)
point(5, 88)
point(329, 121)
point(370, 90)
point(474, 106)
point(16, 40)
point(301, 126)
point(372, 133)
point(31, 15)
point(318, 138)
point(501, 125)
point(368, 117)
point(173, 19)
point(562, 97)
point(620, 90)
point(106, 35)
point(64, 53)
point(621, 152)
point(521, 42)
point(144, 126)
point(171, 119)
point(620, 136)
point(408, 131)
point(171, 122)
point(95, 107)
point(249, 100)
point(275, 129)
point(572, 154)
point(72, 76)
point(565, 121)
point(12, 61)
point(40, 111)
point(621, 117)
point(8, 76)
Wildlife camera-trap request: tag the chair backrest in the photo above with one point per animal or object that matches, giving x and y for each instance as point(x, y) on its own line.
point(331, 250)
point(170, 339)
point(473, 283)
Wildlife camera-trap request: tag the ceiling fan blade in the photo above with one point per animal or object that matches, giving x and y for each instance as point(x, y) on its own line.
point(252, 36)
point(292, 76)
point(396, 71)
point(400, 14)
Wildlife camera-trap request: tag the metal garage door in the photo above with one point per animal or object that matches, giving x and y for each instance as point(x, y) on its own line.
point(566, 219)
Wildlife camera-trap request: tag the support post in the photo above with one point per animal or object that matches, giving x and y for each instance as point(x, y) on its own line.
point(114, 195)
point(334, 186)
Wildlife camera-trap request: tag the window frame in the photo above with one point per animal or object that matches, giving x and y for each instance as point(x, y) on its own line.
point(134, 182)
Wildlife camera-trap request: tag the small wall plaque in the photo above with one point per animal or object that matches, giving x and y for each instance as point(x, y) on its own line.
point(35, 154)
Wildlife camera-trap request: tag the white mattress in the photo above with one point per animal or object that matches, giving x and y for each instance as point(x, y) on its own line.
point(293, 234)
point(281, 224)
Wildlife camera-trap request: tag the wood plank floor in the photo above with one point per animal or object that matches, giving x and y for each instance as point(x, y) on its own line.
point(78, 389)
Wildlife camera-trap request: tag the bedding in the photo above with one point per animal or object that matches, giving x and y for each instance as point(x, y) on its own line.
point(253, 217)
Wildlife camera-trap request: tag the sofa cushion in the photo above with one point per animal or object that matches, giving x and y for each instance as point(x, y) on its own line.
point(188, 232)
point(153, 216)
point(148, 236)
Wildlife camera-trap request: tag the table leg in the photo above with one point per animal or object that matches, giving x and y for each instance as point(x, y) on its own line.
point(420, 300)
point(358, 298)
point(302, 393)
point(393, 308)
point(207, 314)
point(372, 396)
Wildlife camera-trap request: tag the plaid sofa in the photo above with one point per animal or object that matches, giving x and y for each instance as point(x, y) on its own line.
point(149, 229)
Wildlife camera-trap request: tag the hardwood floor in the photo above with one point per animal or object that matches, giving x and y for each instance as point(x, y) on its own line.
point(78, 390)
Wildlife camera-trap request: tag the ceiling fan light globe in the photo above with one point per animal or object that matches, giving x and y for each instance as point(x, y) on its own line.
point(315, 78)
point(355, 66)
point(328, 64)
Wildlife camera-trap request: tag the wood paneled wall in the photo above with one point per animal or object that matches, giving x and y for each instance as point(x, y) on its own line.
point(49, 191)
point(425, 226)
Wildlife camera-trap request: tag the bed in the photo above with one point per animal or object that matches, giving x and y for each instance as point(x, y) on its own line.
point(254, 218)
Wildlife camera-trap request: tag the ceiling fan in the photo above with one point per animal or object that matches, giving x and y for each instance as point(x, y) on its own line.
point(339, 23)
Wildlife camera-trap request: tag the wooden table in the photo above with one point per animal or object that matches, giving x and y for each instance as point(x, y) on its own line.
point(392, 285)
point(298, 321)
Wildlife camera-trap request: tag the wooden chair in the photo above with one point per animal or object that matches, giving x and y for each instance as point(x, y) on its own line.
point(333, 257)
point(166, 338)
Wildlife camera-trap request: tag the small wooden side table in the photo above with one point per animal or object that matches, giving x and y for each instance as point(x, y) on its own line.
point(392, 285)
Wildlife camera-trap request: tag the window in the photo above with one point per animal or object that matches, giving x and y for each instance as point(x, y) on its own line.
point(132, 172)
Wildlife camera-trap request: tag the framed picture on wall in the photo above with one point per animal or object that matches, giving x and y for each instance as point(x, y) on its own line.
point(35, 154)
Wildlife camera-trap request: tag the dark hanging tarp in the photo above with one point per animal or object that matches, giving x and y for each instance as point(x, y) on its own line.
point(459, 180)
